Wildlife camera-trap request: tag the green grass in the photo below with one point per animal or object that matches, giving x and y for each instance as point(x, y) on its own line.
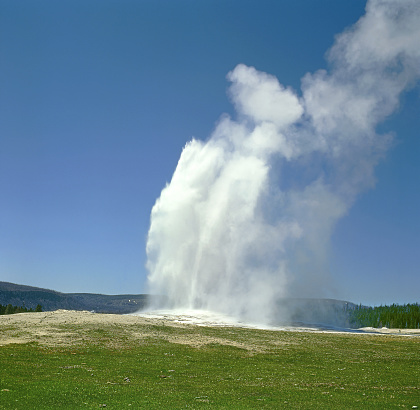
point(237, 368)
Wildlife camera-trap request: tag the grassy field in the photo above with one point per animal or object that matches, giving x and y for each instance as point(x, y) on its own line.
point(173, 367)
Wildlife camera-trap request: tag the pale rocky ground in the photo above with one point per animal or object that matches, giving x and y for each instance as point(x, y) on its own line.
point(70, 328)
point(65, 327)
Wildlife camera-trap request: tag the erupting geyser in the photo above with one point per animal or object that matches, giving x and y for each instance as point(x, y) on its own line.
point(248, 214)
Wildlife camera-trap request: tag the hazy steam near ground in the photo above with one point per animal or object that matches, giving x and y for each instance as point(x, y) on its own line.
point(248, 215)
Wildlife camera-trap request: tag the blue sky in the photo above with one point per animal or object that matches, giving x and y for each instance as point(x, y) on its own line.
point(97, 100)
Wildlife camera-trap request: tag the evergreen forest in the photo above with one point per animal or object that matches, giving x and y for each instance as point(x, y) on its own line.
point(394, 316)
point(10, 309)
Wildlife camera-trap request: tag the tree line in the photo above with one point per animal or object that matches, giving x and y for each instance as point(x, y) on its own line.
point(394, 316)
point(10, 309)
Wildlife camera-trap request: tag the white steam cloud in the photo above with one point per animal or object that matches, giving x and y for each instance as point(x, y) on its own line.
point(248, 215)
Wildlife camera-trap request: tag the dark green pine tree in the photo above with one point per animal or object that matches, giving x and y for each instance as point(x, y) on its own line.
point(9, 309)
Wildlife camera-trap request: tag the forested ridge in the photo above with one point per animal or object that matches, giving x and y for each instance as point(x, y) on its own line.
point(29, 296)
point(394, 316)
point(10, 309)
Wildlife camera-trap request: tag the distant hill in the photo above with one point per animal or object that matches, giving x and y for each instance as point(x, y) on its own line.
point(316, 312)
point(30, 297)
point(325, 312)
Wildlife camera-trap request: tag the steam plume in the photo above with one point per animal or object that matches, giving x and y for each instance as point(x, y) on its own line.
point(248, 214)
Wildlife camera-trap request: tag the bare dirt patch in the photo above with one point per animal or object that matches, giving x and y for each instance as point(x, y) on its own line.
point(65, 328)
point(61, 326)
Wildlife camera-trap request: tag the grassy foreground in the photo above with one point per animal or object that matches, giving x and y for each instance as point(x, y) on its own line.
point(197, 367)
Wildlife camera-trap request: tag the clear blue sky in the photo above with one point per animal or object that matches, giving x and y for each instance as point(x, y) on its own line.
point(97, 100)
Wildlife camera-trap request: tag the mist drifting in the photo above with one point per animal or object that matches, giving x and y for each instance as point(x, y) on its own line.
point(248, 215)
